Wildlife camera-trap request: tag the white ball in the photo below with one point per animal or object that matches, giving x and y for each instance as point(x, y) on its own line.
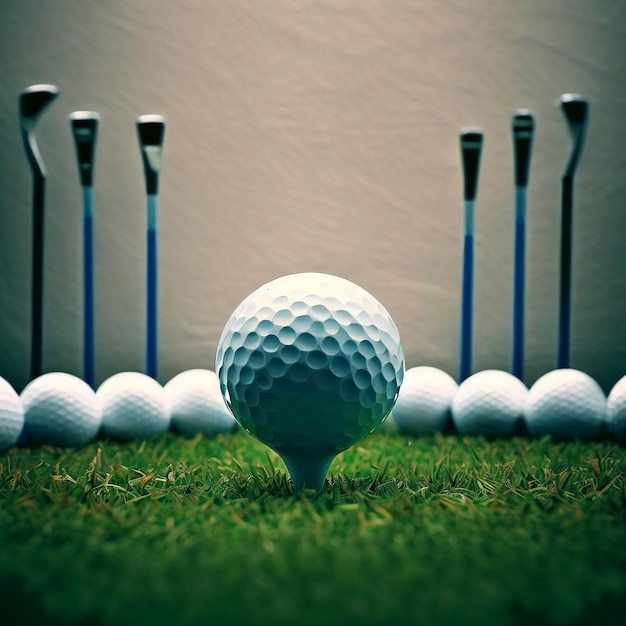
point(566, 404)
point(196, 403)
point(489, 403)
point(11, 415)
point(133, 406)
point(616, 405)
point(60, 409)
point(424, 401)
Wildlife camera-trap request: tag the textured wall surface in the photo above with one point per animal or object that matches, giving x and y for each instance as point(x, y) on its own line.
point(315, 135)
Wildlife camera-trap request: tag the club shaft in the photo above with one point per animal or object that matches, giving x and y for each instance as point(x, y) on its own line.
point(88, 287)
point(39, 189)
point(467, 293)
point(563, 355)
point(152, 284)
point(519, 282)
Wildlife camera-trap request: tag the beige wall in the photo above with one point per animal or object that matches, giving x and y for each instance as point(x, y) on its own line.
point(315, 135)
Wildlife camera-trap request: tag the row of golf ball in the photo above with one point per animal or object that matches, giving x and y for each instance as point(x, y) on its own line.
point(61, 409)
point(564, 403)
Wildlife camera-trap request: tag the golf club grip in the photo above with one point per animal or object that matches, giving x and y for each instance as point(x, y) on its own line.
point(576, 111)
point(563, 355)
point(36, 361)
point(151, 131)
point(471, 147)
point(523, 126)
point(84, 126)
point(33, 101)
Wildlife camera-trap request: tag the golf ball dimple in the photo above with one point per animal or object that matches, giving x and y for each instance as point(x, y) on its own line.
point(310, 363)
point(489, 403)
point(616, 409)
point(196, 403)
point(11, 415)
point(567, 404)
point(60, 409)
point(424, 401)
point(133, 406)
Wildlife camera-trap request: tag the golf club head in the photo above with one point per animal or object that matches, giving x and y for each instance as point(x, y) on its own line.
point(523, 125)
point(576, 110)
point(150, 130)
point(84, 126)
point(32, 102)
point(471, 146)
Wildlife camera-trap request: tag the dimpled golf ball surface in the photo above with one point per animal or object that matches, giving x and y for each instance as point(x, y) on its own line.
point(566, 404)
point(424, 401)
point(11, 415)
point(490, 403)
point(133, 406)
point(616, 405)
point(60, 409)
point(196, 403)
point(310, 363)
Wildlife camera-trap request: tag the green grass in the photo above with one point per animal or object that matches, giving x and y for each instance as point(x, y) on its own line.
point(440, 530)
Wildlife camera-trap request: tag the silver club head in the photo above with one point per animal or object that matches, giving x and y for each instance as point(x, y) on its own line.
point(84, 126)
point(471, 146)
point(523, 125)
point(576, 110)
point(33, 101)
point(151, 130)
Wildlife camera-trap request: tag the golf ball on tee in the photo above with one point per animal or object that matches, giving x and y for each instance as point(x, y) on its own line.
point(424, 401)
point(490, 403)
point(11, 415)
point(310, 364)
point(616, 405)
point(133, 406)
point(60, 409)
point(196, 403)
point(566, 404)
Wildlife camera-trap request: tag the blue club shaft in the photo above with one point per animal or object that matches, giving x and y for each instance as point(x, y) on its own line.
point(519, 282)
point(88, 287)
point(151, 288)
point(467, 293)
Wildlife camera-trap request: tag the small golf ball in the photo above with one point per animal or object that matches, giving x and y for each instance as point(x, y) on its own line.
point(567, 404)
point(424, 401)
point(489, 403)
point(60, 409)
point(616, 405)
point(196, 403)
point(11, 416)
point(133, 406)
point(310, 364)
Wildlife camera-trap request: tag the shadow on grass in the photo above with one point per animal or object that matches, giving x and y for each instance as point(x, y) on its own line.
point(20, 607)
point(607, 611)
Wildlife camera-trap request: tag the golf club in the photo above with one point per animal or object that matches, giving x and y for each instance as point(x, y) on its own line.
point(150, 130)
point(32, 102)
point(523, 127)
point(471, 146)
point(84, 126)
point(576, 109)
